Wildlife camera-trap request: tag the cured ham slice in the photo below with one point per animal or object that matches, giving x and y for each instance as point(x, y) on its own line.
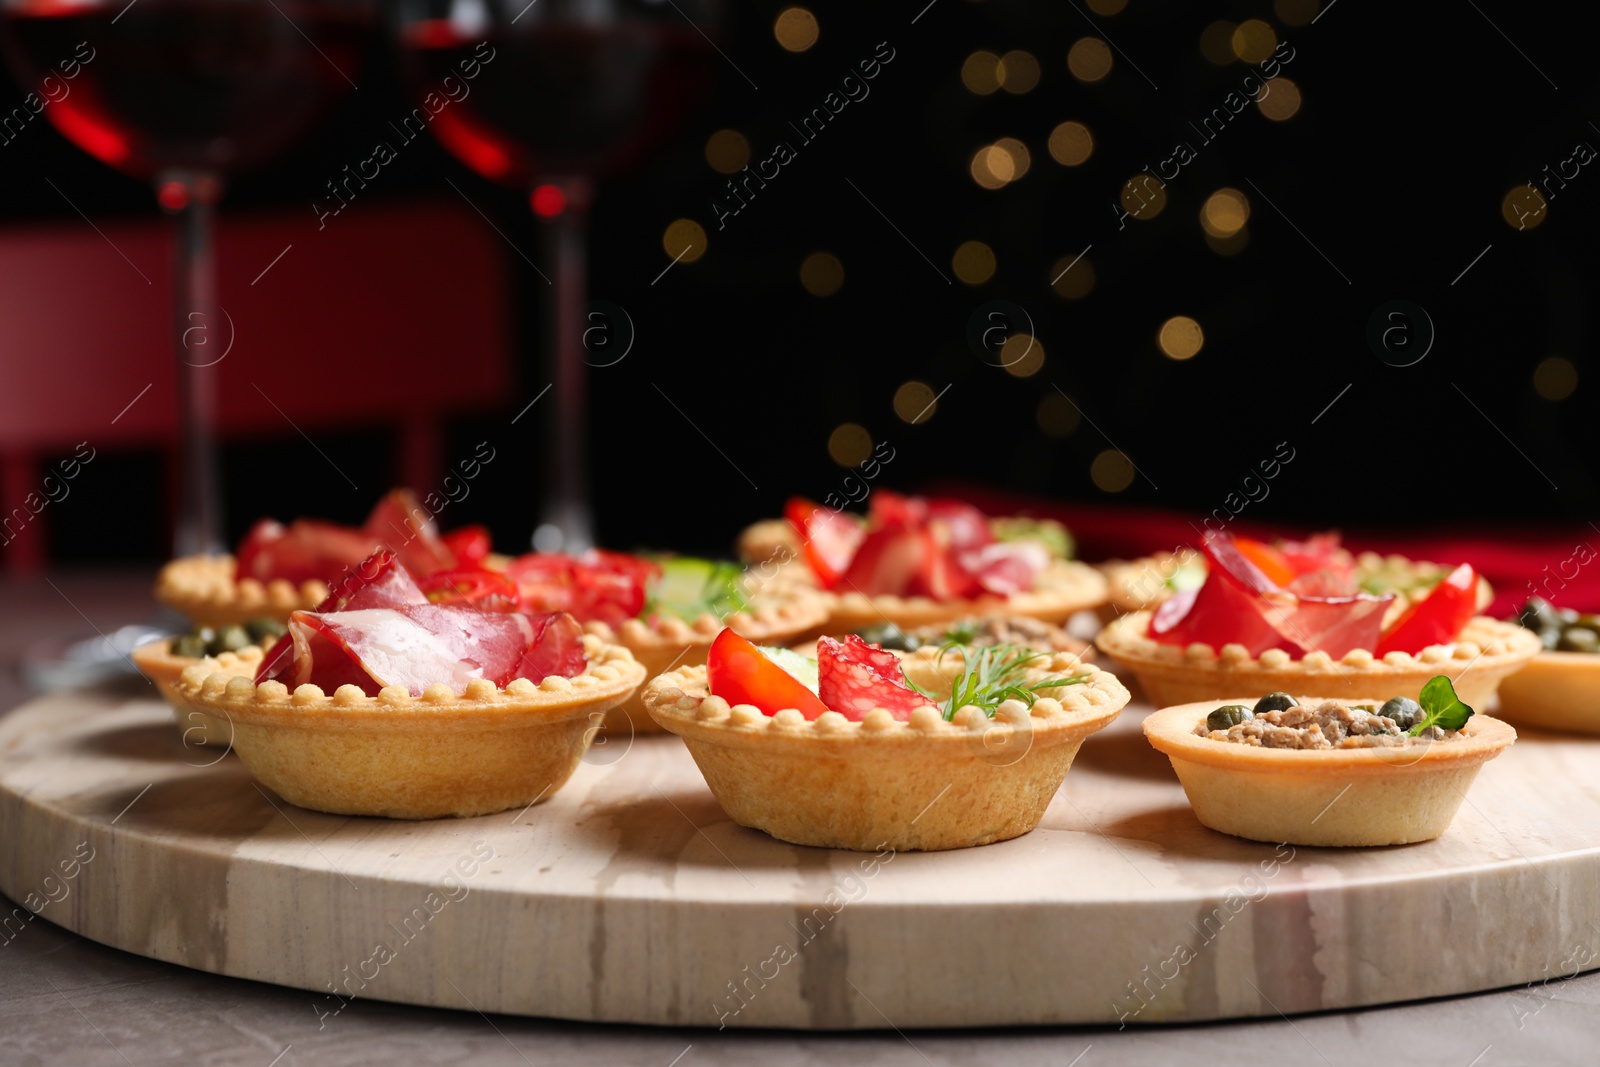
point(303, 551)
point(420, 645)
point(1007, 567)
point(400, 522)
point(854, 677)
point(608, 587)
point(376, 582)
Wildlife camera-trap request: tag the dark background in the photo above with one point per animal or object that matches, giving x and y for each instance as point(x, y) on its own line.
point(1414, 124)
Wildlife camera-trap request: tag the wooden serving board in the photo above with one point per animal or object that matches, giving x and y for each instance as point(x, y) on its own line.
point(629, 896)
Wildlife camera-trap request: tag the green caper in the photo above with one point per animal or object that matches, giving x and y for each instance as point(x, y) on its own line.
point(1550, 637)
point(229, 639)
point(888, 635)
point(1538, 614)
point(191, 645)
point(1274, 702)
point(263, 630)
point(1404, 711)
point(1577, 638)
point(1231, 715)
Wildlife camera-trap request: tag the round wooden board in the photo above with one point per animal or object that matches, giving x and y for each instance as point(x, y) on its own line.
point(629, 896)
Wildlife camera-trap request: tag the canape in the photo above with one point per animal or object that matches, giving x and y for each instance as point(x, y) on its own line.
point(920, 562)
point(164, 661)
point(1018, 630)
point(391, 705)
point(863, 749)
point(282, 569)
point(1560, 688)
point(1143, 584)
point(1247, 630)
point(1317, 771)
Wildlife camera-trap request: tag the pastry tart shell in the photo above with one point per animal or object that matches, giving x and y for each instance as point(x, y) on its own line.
point(879, 783)
point(201, 730)
point(424, 757)
point(1365, 797)
point(1486, 651)
point(1061, 590)
point(1556, 691)
point(204, 589)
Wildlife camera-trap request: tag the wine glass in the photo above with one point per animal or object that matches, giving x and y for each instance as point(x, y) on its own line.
point(184, 93)
point(546, 96)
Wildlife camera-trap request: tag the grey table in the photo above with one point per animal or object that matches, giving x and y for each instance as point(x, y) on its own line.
point(66, 1000)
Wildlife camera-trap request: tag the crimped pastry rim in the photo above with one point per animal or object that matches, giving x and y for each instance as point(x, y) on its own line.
point(207, 584)
point(679, 702)
point(776, 616)
point(610, 675)
point(1124, 640)
point(156, 658)
point(1171, 732)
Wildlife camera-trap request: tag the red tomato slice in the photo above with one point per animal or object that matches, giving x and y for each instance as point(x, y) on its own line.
point(740, 673)
point(854, 677)
point(890, 560)
point(469, 544)
point(1437, 618)
point(828, 539)
point(480, 587)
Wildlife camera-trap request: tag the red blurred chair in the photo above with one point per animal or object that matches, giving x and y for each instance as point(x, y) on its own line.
point(396, 314)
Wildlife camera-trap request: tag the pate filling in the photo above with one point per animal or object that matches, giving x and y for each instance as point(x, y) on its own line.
point(1328, 725)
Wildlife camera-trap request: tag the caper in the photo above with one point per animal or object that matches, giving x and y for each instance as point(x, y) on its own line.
point(1591, 621)
point(229, 639)
point(1550, 637)
point(191, 645)
point(1231, 715)
point(1538, 614)
point(263, 630)
point(888, 635)
point(1578, 639)
point(1274, 702)
point(1405, 712)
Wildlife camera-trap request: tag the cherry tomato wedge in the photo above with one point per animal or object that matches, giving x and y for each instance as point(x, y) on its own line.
point(828, 539)
point(478, 586)
point(740, 673)
point(470, 544)
point(1437, 618)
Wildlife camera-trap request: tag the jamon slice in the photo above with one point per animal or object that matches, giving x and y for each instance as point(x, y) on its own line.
point(608, 587)
point(401, 523)
point(854, 677)
point(427, 644)
point(304, 550)
point(376, 582)
point(1007, 567)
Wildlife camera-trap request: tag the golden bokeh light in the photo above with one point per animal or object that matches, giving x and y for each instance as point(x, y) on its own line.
point(915, 402)
point(992, 167)
point(1253, 40)
point(1295, 12)
point(1224, 213)
point(1143, 197)
point(1022, 356)
point(1018, 72)
point(849, 444)
point(1021, 158)
point(1555, 378)
point(1231, 245)
point(1180, 337)
point(795, 28)
point(973, 262)
point(1071, 143)
point(1216, 43)
point(1281, 100)
point(1523, 207)
point(684, 240)
point(727, 151)
point(1072, 277)
point(1057, 416)
point(980, 73)
point(821, 273)
point(1107, 7)
point(1111, 471)
point(1089, 59)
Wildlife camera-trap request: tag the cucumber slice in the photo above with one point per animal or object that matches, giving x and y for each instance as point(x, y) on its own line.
point(690, 587)
point(802, 668)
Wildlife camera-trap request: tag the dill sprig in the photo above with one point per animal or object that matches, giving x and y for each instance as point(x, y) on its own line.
point(991, 675)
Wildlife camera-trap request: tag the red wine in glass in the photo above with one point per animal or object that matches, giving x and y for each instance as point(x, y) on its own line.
point(183, 93)
point(545, 98)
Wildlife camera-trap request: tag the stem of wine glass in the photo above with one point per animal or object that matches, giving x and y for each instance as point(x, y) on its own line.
point(201, 336)
point(566, 522)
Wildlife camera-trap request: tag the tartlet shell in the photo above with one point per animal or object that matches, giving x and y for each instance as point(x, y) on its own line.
point(777, 616)
point(204, 589)
point(1062, 589)
point(879, 783)
point(1486, 651)
point(1361, 797)
point(1555, 691)
point(199, 728)
point(424, 757)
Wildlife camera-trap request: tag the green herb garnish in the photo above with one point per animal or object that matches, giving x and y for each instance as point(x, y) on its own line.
point(689, 588)
point(992, 675)
point(964, 632)
point(1441, 707)
point(1049, 533)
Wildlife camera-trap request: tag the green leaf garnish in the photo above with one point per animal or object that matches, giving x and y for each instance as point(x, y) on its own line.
point(993, 674)
point(689, 588)
point(1441, 707)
